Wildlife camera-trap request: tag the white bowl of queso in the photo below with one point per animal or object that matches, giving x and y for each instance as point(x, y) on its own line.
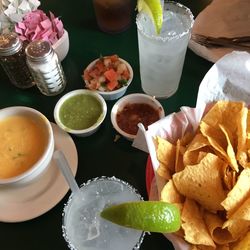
point(27, 145)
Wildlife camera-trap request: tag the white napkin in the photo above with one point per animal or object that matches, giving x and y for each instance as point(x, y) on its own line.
point(16, 9)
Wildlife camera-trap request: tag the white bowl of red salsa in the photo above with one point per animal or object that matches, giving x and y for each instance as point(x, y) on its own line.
point(132, 109)
point(110, 76)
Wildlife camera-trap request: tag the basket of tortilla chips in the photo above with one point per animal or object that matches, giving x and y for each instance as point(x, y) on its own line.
point(201, 160)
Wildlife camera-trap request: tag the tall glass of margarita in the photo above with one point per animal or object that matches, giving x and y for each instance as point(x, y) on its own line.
point(84, 229)
point(162, 56)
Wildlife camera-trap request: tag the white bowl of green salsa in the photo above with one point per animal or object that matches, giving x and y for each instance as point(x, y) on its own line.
point(80, 112)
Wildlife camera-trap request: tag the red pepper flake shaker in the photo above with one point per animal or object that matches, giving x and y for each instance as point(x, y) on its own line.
point(13, 60)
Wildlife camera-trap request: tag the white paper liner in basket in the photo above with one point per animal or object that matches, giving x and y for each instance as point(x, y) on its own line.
point(228, 79)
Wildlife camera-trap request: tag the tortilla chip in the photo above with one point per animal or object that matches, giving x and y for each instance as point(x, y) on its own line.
point(186, 139)
point(194, 247)
point(198, 142)
point(230, 148)
point(238, 194)
point(201, 155)
point(219, 142)
point(214, 224)
point(180, 232)
point(238, 224)
point(191, 158)
point(179, 166)
point(202, 182)
point(229, 177)
point(195, 157)
point(243, 244)
point(215, 137)
point(194, 226)
point(222, 247)
point(202, 247)
point(164, 172)
point(170, 194)
point(166, 153)
point(192, 155)
point(243, 129)
point(218, 247)
point(225, 113)
point(247, 129)
point(210, 169)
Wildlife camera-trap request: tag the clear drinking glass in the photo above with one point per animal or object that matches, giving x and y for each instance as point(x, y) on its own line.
point(162, 56)
point(113, 16)
point(84, 229)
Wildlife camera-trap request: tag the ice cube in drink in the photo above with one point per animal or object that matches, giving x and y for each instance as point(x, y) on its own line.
point(84, 229)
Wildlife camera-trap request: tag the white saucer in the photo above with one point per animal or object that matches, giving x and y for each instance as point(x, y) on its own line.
point(30, 201)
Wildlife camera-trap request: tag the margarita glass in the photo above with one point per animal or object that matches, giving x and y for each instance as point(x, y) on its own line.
point(84, 229)
point(162, 56)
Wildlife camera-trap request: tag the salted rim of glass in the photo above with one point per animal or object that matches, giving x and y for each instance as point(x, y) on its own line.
point(113, 178)
point(184, 10)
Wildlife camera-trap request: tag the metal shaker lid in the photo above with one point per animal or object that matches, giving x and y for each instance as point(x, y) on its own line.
point(38, 51)
point(9, 44)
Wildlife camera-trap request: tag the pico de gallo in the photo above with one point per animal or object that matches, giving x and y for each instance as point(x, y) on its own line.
point(108, 73)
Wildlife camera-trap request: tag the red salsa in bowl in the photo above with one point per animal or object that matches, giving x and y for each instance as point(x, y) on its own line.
point(134, 113)
point(133, 109)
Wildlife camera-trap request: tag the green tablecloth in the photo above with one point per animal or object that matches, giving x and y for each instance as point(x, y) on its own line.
point(98, 154)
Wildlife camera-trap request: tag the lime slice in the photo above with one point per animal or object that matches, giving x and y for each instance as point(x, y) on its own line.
point(152, 8)
point(150, 216)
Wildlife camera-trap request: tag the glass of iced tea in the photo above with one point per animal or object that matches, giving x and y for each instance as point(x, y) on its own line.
point(113, 16)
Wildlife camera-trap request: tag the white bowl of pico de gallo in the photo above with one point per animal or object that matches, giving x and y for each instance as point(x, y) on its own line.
point(110, 76)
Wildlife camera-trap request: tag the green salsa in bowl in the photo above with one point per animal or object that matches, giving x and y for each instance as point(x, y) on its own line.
point(80, 112)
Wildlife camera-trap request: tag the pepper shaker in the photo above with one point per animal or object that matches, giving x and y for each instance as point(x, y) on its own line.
point(13, 60)
point(45, 68)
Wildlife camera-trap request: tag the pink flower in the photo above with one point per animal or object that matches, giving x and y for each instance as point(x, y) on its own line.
point(36, 25)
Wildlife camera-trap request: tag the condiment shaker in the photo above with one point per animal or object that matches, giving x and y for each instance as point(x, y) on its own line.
point(13, 60)
point(45, 67)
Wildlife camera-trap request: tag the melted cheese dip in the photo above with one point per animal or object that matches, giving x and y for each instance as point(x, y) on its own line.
point(22, 142)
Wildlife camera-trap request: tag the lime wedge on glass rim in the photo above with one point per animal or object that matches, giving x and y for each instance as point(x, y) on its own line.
point(149, 216)
point(153, 9)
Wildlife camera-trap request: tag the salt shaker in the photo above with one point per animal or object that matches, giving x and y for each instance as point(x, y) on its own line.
point(13, 60)
point(45, 68)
